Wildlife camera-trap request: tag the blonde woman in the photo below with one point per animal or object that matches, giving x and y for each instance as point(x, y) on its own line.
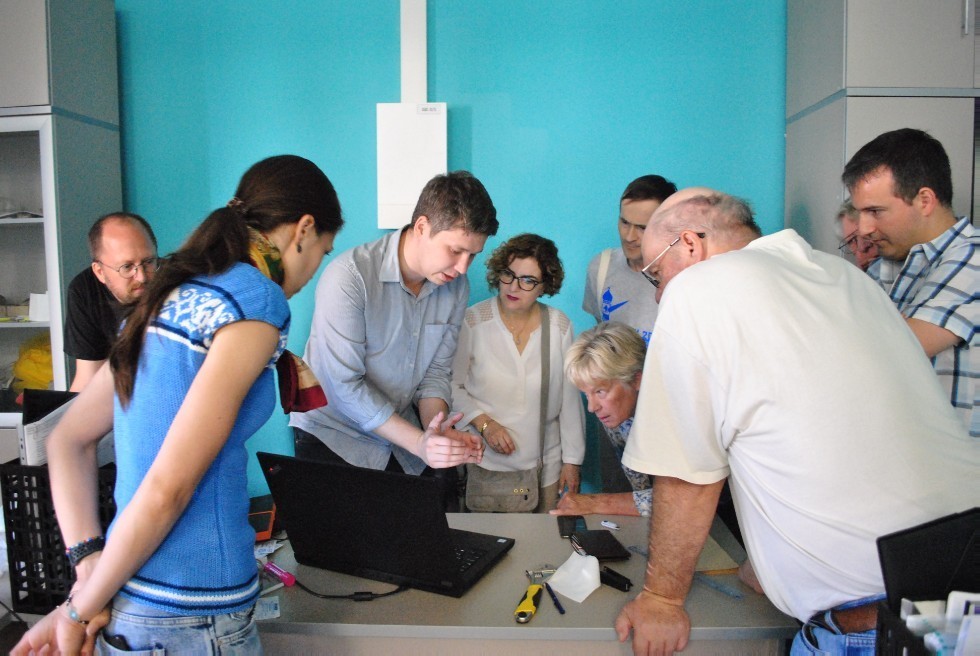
point(606, 364)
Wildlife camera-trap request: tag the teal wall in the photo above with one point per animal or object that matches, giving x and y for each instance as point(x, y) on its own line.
point(554, 104)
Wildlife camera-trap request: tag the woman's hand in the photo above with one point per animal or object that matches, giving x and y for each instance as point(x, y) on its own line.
point(442, 446)
point(747, 576)
point(575, 504)
point(498, 438)
point(40, 635)
point(60, 634)
point(569, 479)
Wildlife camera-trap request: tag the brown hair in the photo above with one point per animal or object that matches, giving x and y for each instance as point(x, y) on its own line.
point(525, 245)
point(457, 200)
point(275, 191)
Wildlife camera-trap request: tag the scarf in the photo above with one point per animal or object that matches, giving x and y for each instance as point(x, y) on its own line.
point(299, 390)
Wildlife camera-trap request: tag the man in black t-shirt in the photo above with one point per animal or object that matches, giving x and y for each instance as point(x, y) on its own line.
point(124, 258)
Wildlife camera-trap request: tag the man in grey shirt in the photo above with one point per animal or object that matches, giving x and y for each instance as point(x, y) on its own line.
point(384, 333)
point(614, 287)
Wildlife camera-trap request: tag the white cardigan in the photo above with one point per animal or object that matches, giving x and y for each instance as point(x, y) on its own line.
point(490, 376)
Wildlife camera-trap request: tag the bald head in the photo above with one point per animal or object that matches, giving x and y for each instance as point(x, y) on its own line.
point(691, 226)
point(679, 197)
point(726, 220)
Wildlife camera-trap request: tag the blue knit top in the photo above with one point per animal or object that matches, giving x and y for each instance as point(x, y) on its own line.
point(205, 565)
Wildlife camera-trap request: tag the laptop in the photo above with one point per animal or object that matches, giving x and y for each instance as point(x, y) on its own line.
point(378, 525)
point(931, 560)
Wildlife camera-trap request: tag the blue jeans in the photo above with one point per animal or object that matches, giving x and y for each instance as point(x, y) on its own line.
point(138, 629)
point(821, 636)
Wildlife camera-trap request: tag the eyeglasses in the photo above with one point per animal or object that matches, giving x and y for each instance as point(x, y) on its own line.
point(854, 243)
point(649, 276)
point(149, 265)
point(527, 283)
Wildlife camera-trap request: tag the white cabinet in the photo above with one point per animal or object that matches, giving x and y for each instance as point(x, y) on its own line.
point(61, 55)
point(59, 158)
point(876, 47)
point(857, 68)
point(23, 53)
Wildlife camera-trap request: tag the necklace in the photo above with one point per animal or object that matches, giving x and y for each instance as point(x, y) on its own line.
point(518, 333)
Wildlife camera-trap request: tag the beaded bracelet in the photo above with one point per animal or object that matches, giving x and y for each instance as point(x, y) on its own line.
point(84, 548)
point(72, 613)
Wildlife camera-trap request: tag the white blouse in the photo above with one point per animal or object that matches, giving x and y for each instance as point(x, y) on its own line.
point(490, 376)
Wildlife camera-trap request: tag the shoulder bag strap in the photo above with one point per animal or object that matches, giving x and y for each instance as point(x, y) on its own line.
point(545, 376)
point(600, 280)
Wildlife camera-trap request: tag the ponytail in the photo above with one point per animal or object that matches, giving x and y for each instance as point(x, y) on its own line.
point(275, 191)
point(216, 244)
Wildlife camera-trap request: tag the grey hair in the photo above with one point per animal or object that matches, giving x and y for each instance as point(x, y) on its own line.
point(724, 217)
point(609, 351)
point(847, 209)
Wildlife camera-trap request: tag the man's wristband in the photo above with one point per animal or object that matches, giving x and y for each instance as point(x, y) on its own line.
point(84, 549)
point(484, 426)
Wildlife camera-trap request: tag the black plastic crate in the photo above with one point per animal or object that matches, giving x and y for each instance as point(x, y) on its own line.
point(40, 574)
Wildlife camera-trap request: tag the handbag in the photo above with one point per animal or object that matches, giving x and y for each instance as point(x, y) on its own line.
point(514, 491)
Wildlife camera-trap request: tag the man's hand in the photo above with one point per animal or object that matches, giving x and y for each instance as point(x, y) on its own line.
point(442, 446)
point(659, 626)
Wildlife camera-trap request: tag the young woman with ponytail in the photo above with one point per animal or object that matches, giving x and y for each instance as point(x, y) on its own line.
point(189, 381)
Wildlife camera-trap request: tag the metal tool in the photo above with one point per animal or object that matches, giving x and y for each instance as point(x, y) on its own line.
point(529, 604)
point(539, 575)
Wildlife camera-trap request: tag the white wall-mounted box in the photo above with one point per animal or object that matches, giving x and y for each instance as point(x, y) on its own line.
point(412, 149)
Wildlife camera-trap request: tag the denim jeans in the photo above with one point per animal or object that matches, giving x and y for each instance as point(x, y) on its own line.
point(821, 636)
point(138, 629)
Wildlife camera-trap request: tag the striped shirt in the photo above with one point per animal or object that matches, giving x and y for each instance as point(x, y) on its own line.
point(937, 283)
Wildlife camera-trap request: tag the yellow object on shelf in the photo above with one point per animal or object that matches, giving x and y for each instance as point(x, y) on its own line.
point(33, 368)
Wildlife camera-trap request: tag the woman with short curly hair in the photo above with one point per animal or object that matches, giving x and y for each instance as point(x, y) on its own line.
point(497, 373)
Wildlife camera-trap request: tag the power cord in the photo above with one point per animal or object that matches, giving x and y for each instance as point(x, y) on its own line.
point(354, 596)
point(363, 595)
point(11, 611)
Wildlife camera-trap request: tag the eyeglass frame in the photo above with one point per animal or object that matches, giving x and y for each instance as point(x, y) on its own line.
point(148, 264)
point(653, 281)
point(521, 280)
point(846, 242)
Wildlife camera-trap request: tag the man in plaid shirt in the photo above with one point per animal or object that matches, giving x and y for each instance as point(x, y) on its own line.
point(900, 182)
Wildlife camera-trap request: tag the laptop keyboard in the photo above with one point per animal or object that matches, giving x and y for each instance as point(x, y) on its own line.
point(466, 556)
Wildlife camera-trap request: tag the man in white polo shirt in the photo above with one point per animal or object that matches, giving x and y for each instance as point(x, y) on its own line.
point(743, 381)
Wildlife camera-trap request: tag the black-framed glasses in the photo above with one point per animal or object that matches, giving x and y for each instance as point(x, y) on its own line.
point(128, 270)
point(854, 243)
point(527, 283)
point(649, 276)
point(847, 243)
